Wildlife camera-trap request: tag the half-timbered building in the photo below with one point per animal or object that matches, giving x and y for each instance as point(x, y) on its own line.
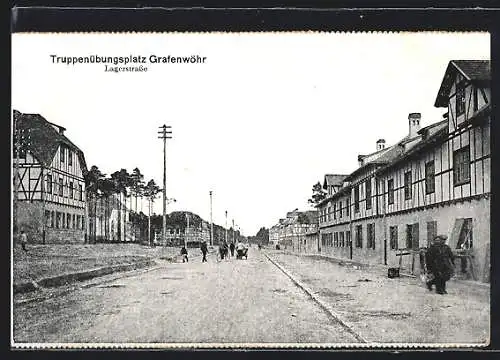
point(294, 232)
point(50, 183)
point(436, 180)
point(442, 185)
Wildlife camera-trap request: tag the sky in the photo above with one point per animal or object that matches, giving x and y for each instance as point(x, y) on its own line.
point(263, 119)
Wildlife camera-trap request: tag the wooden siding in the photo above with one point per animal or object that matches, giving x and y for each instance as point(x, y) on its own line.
point(445, 189)
point(33, 184)
point(68, 173)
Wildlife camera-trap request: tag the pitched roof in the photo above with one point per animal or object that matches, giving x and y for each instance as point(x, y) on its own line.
point(45, 139)
point(333, 179)
point(440, 131)
point(472, 70)
point(385, 158)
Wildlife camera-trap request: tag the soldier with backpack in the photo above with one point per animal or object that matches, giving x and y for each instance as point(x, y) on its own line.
point(440, 264)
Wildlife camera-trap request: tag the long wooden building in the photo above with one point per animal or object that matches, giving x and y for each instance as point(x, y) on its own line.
point(436, 180)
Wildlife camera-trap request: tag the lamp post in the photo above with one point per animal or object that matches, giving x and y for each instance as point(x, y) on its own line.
point(211, 222)
point(225, 235)
point(187, 231)
point(233, 231)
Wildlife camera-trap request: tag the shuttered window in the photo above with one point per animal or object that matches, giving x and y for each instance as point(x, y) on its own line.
point(390, 191)
point(368, 187)
point(407, 185)
point(49, 184)
point(393, 237)
point(412, 241)
point(359, 236)
point(370, 236)
point(356, 198)
point(460, 99)
point(461, 166)
point(465, 238)
point(431, 231)
point(430, 177)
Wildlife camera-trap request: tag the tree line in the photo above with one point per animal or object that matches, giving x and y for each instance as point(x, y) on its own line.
point(100, 189)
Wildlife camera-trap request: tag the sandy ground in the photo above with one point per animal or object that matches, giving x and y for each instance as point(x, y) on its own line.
point(234, 301)
point(51, 260)
point(400, 310)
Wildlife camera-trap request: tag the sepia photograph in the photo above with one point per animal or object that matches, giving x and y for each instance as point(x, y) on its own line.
point(250, 190)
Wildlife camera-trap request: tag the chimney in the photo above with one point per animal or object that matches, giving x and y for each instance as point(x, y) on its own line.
point(360, 160)
point(414, 123)
point(380, 144)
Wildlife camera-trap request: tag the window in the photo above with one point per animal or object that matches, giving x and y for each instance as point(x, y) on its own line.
point(68, 221)
point(461, 166)
point(412, 236)
point(74, 221)
point(465, 237)
point(390, 191)
point(340, 209)
point(431, 231)
point(460, 99)
point(52, 219)
point(61, 187)
point(47, 218)
point(335, 211)
point(474, 99)
point(348, 238)
point(83, 222)
point(49, 184)
point(70, 195)
point(341, 239)
point(336, 239)
point(356, 198)
point(63, 153)
point(58, 220)
point(348, 207)
point(370, 236)
point(430, 180)
point(359, 236)
point(80, 192)
point(329, 212)
point(393, 237)
point(70, 158)
point(407, 185)
point(368, 192)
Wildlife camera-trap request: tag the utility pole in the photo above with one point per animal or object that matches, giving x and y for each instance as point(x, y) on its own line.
point(225, 236)
point(164, 134)
point(211, 222)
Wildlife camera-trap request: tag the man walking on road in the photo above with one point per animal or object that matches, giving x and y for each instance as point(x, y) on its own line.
point(204, 251)
point(231, 248)
point(184, 254)
point(440, 264)
point(24, 240)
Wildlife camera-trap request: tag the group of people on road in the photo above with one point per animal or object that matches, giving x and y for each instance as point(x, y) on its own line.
point(224, 250)
point(439, 259)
